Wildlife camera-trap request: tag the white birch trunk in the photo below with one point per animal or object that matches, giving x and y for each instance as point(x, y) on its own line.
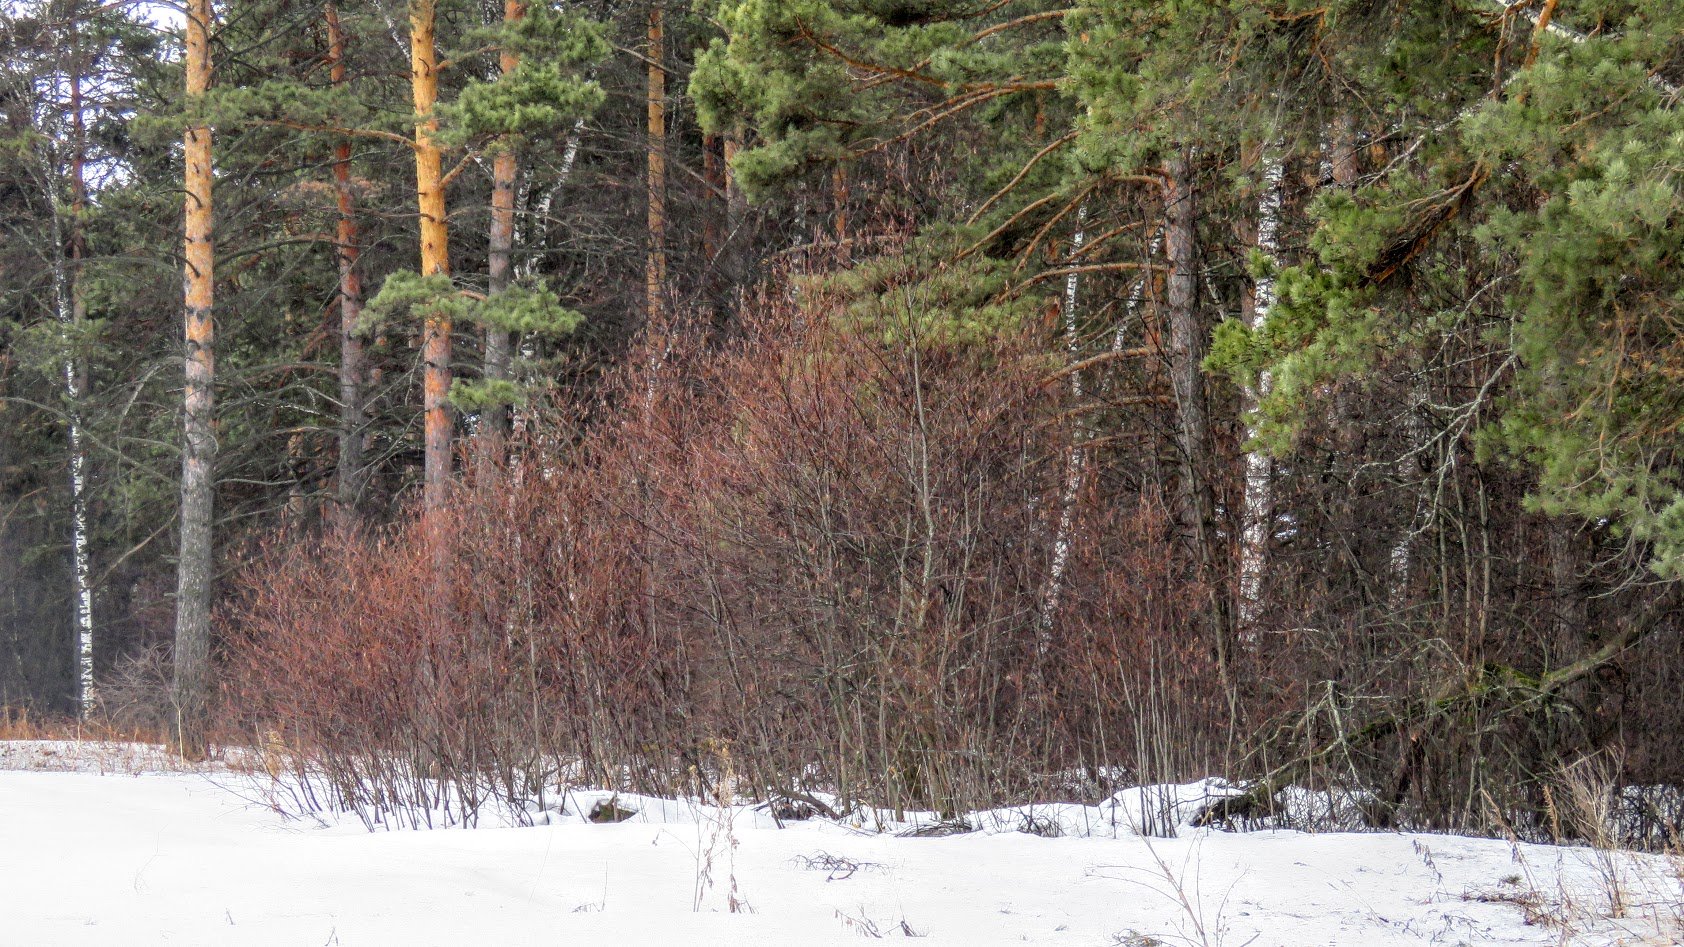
point(1259, 472)
point(1076, 460)
point(80, 564)
point(68, 311)
point(72, 313)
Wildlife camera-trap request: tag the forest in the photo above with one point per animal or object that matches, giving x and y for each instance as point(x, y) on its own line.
point(935, 404)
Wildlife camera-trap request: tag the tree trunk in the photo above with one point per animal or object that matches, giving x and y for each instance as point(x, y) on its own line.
point(1259, 474)
point(1075, 462)
point(1187, 340)
point(499, 347)
point(655, 271)
point(76, 387)
point(736, 202)
point(1345, 159)
point(736, 214)
point(1187, 354)
point(713, 175)
point(535, 237)
point(839, 207)
point(352, 370)
point(435, 252)
point(198, 457)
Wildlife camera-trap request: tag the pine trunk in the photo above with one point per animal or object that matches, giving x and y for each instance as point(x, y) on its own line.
point(435, 253)
point(1187, 344)
point(504, 171)
point(352, 368)
point(194, 563)
point(1187, 355)
point(713, 175)
point(655, 272)
point(736, 214)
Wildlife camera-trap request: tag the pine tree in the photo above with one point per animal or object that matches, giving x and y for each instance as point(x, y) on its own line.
point(196, 568)
point(435, 250)
point(353, 372)
point(655, 273)
point(539, 88)
point(501, 238)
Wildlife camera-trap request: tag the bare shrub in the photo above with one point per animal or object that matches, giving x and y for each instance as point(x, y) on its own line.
point(135, 695)
point(823, 549)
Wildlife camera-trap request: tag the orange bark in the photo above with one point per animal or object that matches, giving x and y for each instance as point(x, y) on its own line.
point(435, 251)
point(194, 567)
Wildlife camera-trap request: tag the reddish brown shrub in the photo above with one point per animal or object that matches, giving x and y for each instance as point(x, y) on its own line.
point(828, 551)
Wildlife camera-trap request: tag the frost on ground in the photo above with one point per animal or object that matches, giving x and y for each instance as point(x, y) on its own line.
point(90, 854)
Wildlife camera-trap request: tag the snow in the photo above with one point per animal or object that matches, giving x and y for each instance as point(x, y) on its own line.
point(86, 757)
point(110, 845)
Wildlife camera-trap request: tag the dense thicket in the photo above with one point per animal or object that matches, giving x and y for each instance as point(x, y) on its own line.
point(931, 402)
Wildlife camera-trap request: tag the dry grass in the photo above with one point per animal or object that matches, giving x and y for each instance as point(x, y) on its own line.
point(65, 744)
point(1636, 896)
point(20, 724)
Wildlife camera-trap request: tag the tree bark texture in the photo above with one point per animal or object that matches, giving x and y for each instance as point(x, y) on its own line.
point(352, 362)
point(499, 347)
point(435, 252)
point(194, 570)
point(655, 270)
point(1187, 355)
point(76, 386)
point(1257, 527)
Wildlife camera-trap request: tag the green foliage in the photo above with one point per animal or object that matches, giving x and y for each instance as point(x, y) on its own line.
point(285, 100)
point(817, 80)
point(522, 308)
point(47, 346)
point(1597, 290)
point(535, 96)
point(527, 309)
point(810, 83)
point(531, 310)
point(793, 95)
point(932, 293)
point(476, 395)
point(407, 294)
point(1578, 236)
point(544, 91)
point(1149, 73)
point(1324, 324)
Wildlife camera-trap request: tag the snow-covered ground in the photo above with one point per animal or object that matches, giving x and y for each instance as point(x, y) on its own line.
point(92, 852)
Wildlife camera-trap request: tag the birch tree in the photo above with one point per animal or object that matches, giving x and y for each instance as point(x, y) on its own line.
point(1257, 513)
